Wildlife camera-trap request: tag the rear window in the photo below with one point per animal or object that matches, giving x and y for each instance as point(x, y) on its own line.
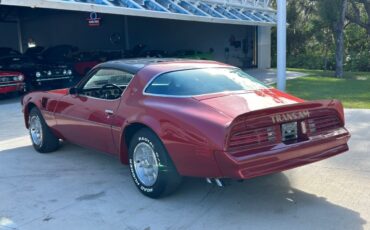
point(194, 82)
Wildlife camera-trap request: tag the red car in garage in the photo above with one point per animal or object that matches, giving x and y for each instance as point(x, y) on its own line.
point(11, 82)
point(173, 118)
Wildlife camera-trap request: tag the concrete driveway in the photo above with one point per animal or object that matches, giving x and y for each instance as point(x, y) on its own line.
point(77, 188)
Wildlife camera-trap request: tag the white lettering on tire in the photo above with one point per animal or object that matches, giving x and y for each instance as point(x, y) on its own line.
point(136, 181)
point(144, 139)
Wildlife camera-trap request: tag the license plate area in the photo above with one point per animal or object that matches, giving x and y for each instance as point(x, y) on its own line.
point(289, 131)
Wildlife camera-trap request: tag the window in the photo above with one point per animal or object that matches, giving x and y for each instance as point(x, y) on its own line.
point(107, 84)
point(108, 76)
point(203, 81)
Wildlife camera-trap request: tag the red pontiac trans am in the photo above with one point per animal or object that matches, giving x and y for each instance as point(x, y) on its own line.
point(171, 118)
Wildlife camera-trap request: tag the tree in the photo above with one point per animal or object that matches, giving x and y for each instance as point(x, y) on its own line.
point(333, 13)
point(339, 41)
point(359, 13)
point(328, 34)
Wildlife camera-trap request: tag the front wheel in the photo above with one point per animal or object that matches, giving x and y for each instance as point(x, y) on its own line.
point(43, 140)
point(150, 165)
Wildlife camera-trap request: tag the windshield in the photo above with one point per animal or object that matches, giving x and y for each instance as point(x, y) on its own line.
point(203, 81)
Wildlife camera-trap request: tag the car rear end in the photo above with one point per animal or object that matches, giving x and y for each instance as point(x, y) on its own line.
point(276, 139)
point(11, 82)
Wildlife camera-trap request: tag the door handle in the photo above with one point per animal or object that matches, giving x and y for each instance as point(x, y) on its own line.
point(109, 112)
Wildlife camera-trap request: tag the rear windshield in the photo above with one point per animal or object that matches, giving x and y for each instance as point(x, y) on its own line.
point(194, 82)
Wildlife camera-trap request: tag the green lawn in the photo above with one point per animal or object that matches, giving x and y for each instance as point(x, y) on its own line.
point(353, 90)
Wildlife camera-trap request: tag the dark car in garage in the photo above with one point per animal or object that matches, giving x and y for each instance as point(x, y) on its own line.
point(39, 70)
point(80, 62)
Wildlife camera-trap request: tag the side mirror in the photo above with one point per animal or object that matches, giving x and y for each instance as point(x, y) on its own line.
point(73, 91)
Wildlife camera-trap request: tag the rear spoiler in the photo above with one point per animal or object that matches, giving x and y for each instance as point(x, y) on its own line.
point(294, 111)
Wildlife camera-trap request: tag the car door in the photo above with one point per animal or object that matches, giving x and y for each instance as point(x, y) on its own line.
point(86, 117)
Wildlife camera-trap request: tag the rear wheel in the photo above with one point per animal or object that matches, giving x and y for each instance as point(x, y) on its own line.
point(150, 165)
point(43, 140)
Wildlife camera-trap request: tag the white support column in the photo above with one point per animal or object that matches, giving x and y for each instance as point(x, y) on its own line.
point(20, 36)
point(281, 44)
point(264, 47)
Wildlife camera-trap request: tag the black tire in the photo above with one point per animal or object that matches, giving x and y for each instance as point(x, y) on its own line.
point(49, 142)
point(168, 179)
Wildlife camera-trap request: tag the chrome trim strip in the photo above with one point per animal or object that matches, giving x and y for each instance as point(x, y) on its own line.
point(101, 99)
point(14, 84)
point(50, 79)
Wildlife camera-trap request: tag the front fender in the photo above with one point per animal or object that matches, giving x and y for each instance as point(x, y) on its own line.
point(29, 101)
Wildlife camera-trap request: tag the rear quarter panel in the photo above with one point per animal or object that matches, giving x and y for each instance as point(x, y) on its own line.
point(189, 130)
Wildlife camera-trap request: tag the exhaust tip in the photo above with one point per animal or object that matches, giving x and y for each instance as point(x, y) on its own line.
point(219, 182)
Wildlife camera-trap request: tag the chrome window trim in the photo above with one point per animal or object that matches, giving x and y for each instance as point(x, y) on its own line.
point(101, 99)
point(50, 79)
point(190, 96)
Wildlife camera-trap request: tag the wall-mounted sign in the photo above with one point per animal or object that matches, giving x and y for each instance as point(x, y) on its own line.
point(93, 19)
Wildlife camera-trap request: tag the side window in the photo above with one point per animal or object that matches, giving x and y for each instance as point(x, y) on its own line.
point(107, 84)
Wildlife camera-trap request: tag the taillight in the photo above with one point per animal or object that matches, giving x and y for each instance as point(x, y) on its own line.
point(248, 139)
point(323, 123)
point(258, 133)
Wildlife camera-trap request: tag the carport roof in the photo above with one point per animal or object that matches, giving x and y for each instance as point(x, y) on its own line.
point(243, 12)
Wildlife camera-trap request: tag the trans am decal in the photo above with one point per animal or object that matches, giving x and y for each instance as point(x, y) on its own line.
point(286, 117)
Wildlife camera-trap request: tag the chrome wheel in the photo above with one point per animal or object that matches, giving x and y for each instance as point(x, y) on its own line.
point(145, 164)
point(36, 130)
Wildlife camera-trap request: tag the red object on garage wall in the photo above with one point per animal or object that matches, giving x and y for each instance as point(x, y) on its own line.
point(93, 19)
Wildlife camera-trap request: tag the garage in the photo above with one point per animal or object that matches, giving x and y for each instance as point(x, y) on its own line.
point(235, 32)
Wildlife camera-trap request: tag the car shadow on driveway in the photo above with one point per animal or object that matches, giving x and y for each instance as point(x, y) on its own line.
point(78, 186)
point(267, 202)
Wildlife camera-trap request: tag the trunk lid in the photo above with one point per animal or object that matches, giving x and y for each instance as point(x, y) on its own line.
point(235, 104)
